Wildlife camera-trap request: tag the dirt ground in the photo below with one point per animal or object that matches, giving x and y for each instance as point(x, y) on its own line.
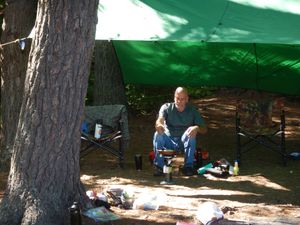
point(265, 192)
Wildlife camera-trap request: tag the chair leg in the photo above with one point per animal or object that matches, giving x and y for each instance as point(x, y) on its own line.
point(282, 143)
point(238, 138)
point(121, 151)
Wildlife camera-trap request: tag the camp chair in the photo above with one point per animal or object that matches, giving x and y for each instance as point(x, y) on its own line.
point(254, 126)
point(114, 129)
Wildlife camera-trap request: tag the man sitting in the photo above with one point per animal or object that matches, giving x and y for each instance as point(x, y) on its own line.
point(176, 128)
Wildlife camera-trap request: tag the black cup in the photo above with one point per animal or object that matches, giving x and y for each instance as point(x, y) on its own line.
point(198, 156)
point(138, 161)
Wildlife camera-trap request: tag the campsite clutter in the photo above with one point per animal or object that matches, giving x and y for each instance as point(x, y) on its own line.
point(220, 168)
point(128, 199)
point(203, 165)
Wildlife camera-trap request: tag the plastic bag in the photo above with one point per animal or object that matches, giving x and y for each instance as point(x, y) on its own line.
point(208, 213)
point(127, 198)
point(149, 201)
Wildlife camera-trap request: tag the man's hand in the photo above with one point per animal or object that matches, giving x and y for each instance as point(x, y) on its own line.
point(160, 128)
point(192, 131)
point(159, 125)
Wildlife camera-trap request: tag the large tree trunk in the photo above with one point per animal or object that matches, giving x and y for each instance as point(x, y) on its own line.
point(18, 22)
point(108, 85)
point(45, 176)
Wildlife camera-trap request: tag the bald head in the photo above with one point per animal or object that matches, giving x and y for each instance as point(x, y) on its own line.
point(181, 98)
point(181, 90)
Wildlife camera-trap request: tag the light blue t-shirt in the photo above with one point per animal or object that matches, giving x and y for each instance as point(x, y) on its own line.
point(177, 122)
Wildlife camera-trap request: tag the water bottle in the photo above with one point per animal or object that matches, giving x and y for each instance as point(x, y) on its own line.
point(236, 168)
point(75, 214)
point(98, 129)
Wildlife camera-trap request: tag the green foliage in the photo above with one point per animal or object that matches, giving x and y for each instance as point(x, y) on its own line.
point(144, 99)
point(200, 92)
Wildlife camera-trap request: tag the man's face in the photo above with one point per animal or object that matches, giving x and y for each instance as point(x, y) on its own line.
point(180, 99)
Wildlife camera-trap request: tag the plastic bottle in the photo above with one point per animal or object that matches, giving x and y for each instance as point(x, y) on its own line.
point(98, 129)
point(236, 168)
point(75, 214)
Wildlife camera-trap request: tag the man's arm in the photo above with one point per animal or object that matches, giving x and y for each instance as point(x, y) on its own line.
point(159, 125)
point(193, 130)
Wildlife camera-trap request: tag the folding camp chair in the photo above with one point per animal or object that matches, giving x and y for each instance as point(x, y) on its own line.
point(114, 123)
point(254, 126)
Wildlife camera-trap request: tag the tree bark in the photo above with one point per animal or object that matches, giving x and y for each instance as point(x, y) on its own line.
point(108, 84)
point(18, 22)
point(44, 178)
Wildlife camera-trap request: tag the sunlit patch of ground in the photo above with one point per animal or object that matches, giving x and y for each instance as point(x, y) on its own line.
point(181, 202)
point(256, 179)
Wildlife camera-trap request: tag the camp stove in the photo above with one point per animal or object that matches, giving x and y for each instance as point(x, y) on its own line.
point(168, 155)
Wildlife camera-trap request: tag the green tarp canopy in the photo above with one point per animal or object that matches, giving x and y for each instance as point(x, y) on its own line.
point(251, 44)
